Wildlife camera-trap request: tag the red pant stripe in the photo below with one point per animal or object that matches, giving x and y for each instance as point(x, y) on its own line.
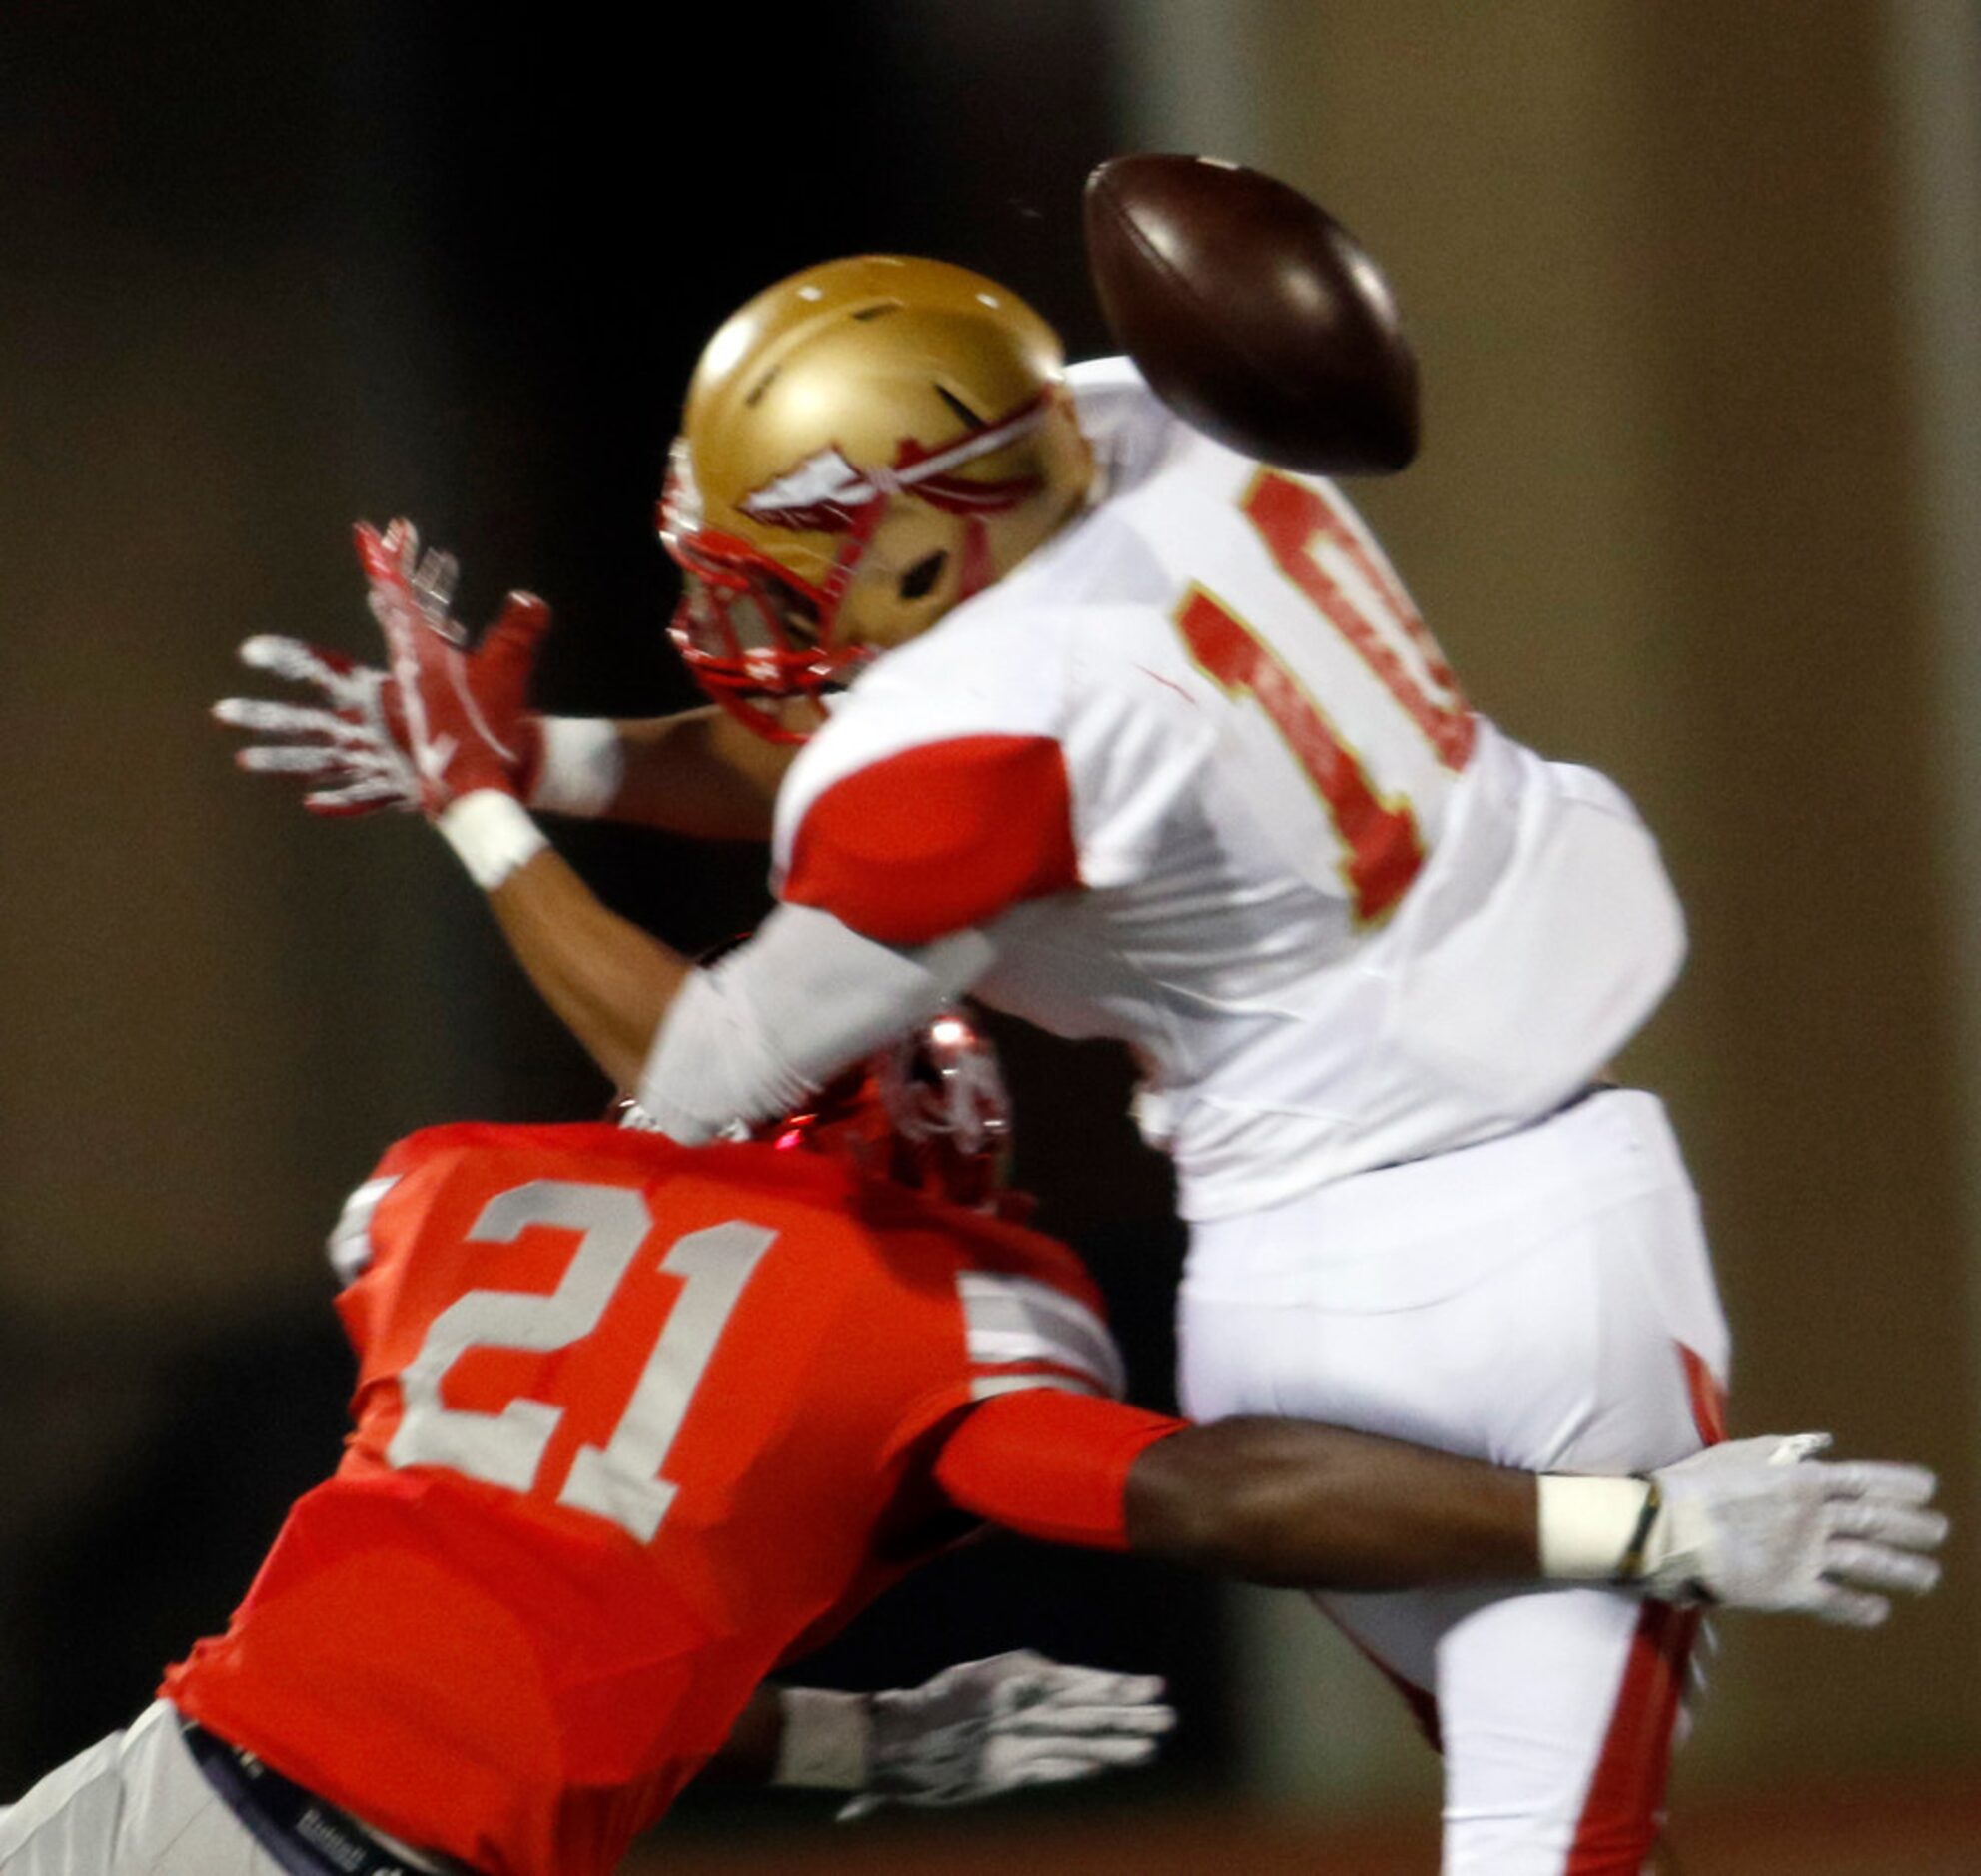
point(1625, 1803)
point(1708, 1396)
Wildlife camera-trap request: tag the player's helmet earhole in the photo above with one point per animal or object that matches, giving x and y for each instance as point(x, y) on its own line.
point(919, 581)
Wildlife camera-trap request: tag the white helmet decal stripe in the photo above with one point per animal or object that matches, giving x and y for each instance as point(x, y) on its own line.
point(826, 480)
point(826, 477)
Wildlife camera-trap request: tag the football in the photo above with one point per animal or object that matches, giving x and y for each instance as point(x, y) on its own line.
point(1254, 313)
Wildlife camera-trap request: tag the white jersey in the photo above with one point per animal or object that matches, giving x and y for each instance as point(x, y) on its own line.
point(1202, 777)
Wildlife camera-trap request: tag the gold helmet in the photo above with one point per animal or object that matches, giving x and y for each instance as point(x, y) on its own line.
point(865, 444)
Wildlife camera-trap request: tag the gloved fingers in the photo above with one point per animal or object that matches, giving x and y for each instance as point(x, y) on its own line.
point(391, 564)
point(393, 612)
point(388, 557)
point(1016, 1762)
point(1064, 1768)
point(1792, 1449)
point(1849, 1609)
point(292, 759)
point(522, 622)
point(268, 719)
point(298, 663)
point(260, 713)
point(1053, 1718)
point(1852, 1562)
point(1886, 1523)
point(1878, 1479)
point(1085, 1687)
point(412, 586)
point(506, 653)
point(365, 797)
point(346, 684)
point(432, 580)
point(1097, 1752)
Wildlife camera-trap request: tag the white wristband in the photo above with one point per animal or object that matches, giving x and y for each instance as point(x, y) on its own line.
point(826, 1739)
point(493, 833)
point(581, 766)
point(1593, 1529)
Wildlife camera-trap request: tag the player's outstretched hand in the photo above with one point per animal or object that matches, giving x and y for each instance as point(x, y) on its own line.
point(350, 748)
point(1765, 1525)
point(465, 715)
point(985, 1727)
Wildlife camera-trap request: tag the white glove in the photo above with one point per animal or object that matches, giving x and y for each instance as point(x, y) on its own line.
point(1760, 1524)
point(352, 746)
point(975, 1730)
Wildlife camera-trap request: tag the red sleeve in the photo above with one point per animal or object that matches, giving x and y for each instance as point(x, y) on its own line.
point(938, 838)
point(1051, 1464)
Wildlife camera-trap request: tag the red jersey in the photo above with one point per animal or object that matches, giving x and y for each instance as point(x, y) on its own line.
point(632, 1423)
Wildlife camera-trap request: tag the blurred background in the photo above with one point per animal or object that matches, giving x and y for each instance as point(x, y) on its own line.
point(1693, 286)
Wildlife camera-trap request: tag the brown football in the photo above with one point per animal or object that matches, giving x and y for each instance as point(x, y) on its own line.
point(1254, 313)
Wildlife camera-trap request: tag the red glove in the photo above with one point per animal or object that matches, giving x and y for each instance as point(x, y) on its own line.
point(465, 715)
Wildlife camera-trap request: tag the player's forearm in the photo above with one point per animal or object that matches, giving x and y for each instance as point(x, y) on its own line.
point(1291, 1504)
point(609, 981)
point(699, 772)
point(1273, 1501)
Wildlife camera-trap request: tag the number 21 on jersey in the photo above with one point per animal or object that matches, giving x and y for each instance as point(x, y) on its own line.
point(619, 1480)
point(1295, 522)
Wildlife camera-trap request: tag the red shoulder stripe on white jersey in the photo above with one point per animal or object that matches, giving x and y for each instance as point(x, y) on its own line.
point(938, 838)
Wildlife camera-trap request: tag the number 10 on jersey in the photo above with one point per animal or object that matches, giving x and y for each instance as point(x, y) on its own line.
point(1293, 518)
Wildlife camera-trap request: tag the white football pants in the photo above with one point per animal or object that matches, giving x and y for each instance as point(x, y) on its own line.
point(1544, 1301)
point(134, 1804)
